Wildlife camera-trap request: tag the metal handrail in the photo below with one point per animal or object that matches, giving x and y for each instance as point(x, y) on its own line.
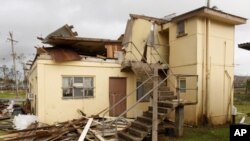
point(130, 42)
point(178, 89)
point(137, 60)
point(150, 91)
point(165, 63)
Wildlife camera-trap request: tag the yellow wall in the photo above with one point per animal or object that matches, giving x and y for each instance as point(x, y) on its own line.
point(221, 60)
point(53, 108)
point(188, 56)
point(140, 33)
point(183, 60)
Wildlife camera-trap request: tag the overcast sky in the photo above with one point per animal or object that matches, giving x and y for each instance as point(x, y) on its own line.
point(28, 19)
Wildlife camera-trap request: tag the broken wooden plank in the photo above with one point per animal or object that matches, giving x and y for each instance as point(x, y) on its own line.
point(79, 131)
point(8, 135)
point(31, 129)
point(85, 130)
point(98, 136)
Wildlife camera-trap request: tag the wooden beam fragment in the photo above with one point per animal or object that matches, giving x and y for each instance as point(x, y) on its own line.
point(85, 130)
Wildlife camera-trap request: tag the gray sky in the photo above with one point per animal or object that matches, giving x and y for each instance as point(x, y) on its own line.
point(28, 19)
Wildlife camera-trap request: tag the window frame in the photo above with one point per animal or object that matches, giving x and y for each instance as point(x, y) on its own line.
point(182, 89)
point(77, 85)
point(181, 28)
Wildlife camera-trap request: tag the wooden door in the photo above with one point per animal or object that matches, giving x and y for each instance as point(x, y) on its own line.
point(117, 90)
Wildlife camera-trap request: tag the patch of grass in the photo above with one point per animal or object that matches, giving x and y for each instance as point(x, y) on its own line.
point(243, 111)
point(220, 133)
point(206, 134)
point(11, 94)
point(242, 103)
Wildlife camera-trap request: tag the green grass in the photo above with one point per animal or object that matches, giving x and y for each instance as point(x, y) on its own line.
point(11, 94)
point(219, 133)
point(206, 134)
point(242, 103)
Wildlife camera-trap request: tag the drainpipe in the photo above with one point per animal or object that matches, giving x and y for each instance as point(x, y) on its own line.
point(207, 68)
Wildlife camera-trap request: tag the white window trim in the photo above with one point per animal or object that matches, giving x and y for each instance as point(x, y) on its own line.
point(78, 97)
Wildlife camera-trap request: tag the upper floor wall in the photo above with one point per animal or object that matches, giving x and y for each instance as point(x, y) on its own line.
point(140, 36)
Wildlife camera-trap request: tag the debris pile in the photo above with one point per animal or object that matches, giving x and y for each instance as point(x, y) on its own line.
point(6, 109)
point(89, 129)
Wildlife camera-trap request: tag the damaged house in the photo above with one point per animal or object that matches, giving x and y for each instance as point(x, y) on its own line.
point(185, 60)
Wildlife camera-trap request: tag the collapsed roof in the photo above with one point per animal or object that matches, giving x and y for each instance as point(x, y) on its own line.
point(66, 46)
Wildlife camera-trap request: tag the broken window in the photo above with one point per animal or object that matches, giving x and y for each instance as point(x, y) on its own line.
point(78, 87)
point(140, 92)
point(181, 28)
point(182, 85)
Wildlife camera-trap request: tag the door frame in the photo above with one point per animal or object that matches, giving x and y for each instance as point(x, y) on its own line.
point(113, 113)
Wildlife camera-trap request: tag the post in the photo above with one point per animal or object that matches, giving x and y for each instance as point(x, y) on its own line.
point(179, 120)
point(155, 107)
point(208, 3)
point(14, 60)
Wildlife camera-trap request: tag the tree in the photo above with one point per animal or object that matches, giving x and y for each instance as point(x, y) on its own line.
point(247, 85)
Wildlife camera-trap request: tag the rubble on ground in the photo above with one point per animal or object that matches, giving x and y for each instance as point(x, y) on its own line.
point(69, 130)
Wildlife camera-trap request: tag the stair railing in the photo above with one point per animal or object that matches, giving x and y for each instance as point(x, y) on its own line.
point(149, 92)
point(137, 102)
point(141, 55)
point(125, 97)
point(169, 68)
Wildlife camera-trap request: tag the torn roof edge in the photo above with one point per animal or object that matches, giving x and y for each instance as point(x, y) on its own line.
point(196, 12)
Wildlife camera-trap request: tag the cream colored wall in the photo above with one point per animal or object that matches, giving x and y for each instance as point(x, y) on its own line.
point(188, 56)
point(221, 60)
point(53, 108)
point(183, 60)
point(217, 90)
point(140, 33)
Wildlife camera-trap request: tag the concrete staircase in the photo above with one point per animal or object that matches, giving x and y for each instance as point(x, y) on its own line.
point(142, 126)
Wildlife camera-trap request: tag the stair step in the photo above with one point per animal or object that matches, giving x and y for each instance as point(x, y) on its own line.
point(167, 97)
point(141, 126)
point(167, 104)
point(150, 114)
point(137, 132)
point(165, 93)
point(144, 119)
point(160, 109)
point(164, 87)
point(127, 137)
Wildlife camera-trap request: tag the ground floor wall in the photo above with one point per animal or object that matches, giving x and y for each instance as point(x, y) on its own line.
point(53, 107)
